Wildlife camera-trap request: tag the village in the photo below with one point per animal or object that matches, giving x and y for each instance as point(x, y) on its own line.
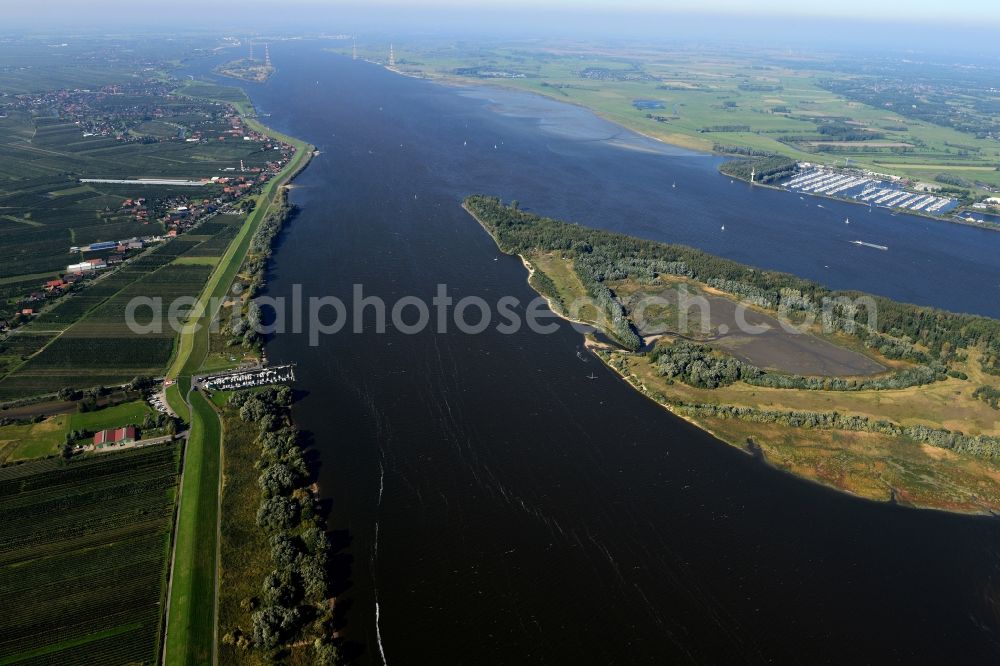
point(149, 115)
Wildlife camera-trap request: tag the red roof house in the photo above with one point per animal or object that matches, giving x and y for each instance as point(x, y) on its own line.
point(125, 435)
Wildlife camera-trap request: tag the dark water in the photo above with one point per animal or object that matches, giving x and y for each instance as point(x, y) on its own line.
point(500, 507)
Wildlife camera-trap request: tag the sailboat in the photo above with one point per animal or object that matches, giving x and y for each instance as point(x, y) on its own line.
point(847, 221)
point(723, 227)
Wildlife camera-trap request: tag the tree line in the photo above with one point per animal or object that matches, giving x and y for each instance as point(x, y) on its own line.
point(938, 334)
point(243, 330)
point(293, 604)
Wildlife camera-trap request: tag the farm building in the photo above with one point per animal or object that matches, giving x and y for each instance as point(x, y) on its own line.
point(98, 247)
point(124, 435)
point(87, 266)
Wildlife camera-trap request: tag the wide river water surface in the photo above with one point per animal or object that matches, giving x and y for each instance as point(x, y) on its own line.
point(497, 506)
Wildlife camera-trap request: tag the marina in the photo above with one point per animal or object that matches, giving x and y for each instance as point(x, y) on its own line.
point(249, 378)
point(866, 188)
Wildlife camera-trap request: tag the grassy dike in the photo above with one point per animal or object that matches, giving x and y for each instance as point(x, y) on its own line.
point(192, 601)
point(191, 622)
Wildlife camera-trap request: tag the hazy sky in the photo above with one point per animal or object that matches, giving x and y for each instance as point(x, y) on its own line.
point(941, 27)
point(971, 11)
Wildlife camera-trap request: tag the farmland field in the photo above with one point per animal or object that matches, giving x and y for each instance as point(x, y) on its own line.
point(89, 340)
point(84, 557)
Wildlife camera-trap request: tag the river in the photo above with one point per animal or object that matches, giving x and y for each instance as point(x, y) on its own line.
point(496, 506)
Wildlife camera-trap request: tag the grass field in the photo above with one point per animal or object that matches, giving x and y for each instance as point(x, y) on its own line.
point(871, 465)
point(129, 413)
point(37, 440)
point(46, 438)
point(83, 558)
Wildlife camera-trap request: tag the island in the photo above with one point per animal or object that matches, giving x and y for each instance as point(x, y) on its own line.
point(248, 69)
point(895, 407)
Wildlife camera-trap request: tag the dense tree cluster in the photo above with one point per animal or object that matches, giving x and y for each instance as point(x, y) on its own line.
point(896, 348)
point(726, 128)
point(699, 366)
point(989, 395)
point(544, 285)
point(702, 367)
point(605, 255)
point(764, 169)
point(293, 601)
point(733, 149)
point(926, 98)
point(915, 376)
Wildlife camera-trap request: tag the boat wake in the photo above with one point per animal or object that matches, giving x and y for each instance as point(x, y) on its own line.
point(871, 245)
point(378, 629)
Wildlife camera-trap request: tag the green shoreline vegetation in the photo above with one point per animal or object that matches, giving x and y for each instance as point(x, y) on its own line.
point(275, 587)
point(193, 584)
point(921, 432)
